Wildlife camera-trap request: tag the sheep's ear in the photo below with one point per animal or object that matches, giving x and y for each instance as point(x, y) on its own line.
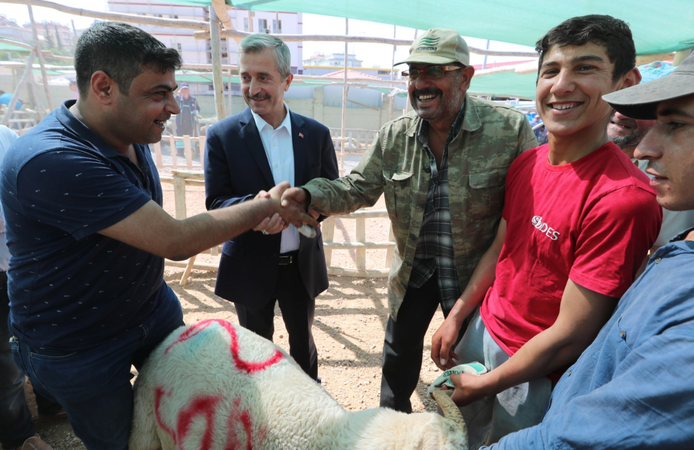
point(450, 409)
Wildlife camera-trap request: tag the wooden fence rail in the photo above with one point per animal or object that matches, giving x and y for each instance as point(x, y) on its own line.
point(181, 179)
point(194, 155)
point(165, 157)
point(360, 246)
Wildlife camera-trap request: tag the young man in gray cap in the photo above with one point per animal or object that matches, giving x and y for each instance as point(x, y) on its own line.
point(632, 388)
point(442, 170)
point(627, 133)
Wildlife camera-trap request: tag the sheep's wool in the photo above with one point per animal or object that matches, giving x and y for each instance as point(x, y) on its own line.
point(215, 385)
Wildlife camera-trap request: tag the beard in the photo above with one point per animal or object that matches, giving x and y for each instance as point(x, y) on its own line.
point(629, 141)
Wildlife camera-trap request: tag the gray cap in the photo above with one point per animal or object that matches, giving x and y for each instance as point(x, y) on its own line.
point(641, 102)
point(438, 46)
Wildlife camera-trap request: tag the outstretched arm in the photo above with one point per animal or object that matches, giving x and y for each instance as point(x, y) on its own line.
point(152, 229)
point(582, 314)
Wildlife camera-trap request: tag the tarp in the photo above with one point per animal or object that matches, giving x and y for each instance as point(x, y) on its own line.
point(504, 84)
point(658, 26)
point(9, 47)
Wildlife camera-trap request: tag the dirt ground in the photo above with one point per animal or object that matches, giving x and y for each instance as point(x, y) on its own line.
point(349, 326)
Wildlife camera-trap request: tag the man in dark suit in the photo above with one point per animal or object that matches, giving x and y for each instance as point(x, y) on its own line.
point(247, 154)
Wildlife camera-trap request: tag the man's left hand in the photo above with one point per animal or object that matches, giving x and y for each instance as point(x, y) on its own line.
point(468, 388)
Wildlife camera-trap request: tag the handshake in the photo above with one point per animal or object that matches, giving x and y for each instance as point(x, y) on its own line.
point(292, 209)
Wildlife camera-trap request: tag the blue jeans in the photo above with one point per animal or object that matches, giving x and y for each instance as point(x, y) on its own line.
point(15, 418)
point(94, 385)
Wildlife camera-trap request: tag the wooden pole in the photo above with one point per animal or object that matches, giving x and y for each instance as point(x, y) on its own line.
point(217, 80)
point(15, 95)
point(231, 97)
point(41, 63)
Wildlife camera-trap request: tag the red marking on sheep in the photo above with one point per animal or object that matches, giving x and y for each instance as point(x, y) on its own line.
point(201, 406)
point(237, 415)
point(246, 366)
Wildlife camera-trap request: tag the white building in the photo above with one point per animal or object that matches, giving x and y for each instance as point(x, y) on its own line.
point(198, 51)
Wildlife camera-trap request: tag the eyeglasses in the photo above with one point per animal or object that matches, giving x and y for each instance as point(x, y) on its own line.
point(430, 71)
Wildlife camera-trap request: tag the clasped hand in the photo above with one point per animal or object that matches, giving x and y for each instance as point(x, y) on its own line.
point(288, 211)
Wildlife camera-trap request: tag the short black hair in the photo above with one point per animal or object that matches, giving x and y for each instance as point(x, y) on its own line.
point(122, 51)
point(612, 34)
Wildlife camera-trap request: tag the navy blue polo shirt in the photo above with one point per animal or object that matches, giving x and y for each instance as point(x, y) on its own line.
point(70, 287)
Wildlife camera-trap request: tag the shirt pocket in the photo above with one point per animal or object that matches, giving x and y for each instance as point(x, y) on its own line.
point(487, 190)
point(397, 191)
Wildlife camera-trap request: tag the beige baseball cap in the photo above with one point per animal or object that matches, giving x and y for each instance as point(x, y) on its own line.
point(438, 46)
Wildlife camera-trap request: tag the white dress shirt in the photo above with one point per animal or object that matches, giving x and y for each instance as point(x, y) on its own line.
point(280, 155)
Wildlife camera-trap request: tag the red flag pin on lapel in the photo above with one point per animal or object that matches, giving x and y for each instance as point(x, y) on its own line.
point(301, 135)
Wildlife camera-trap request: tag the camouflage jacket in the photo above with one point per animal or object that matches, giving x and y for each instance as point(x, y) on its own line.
point(396, 165)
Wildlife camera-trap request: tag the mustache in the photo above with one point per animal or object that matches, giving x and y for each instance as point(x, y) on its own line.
point(258, 96)
point(427, 91)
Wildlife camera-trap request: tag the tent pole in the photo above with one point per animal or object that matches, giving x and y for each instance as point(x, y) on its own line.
point(391, 98)
point(217, 81)
point(40, 55)
point(344, 95)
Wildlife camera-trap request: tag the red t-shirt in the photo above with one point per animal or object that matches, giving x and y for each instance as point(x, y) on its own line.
point(592, 221)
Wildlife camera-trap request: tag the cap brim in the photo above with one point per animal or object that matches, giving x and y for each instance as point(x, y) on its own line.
point(426, 59)
point(641, 102)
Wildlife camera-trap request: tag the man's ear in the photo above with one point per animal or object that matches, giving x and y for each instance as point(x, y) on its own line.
point(290, 77)
point(632, 78)
point(102, 87)
point(466, 74)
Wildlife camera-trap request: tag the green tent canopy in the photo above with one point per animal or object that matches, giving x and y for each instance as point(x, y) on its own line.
point(658, 27)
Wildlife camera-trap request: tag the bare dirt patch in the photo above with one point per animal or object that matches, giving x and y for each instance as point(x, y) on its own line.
point(349, 326)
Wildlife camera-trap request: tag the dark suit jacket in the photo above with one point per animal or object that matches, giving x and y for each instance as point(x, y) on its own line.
point(236, 169)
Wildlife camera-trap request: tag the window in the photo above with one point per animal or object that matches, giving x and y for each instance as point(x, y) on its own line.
point(262, 26)
point(277, 26)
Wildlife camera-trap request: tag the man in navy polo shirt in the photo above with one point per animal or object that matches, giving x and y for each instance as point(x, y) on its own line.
point(88, 235)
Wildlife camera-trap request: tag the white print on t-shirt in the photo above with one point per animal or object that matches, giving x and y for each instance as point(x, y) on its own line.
point(544, 228)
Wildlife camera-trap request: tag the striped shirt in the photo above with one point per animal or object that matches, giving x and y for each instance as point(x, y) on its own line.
point(434, 251)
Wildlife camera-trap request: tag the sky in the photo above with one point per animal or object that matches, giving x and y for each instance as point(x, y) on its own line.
point(21, 12)
point(372, 55)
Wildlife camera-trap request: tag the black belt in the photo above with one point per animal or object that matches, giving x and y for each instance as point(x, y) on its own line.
point(288, 258)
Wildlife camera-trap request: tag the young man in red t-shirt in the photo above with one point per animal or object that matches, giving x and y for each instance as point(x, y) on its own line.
point(578, 220)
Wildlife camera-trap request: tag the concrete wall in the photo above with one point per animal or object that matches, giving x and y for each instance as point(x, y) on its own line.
point(365, 118)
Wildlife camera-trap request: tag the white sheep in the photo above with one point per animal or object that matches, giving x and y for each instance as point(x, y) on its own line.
point(215, 385)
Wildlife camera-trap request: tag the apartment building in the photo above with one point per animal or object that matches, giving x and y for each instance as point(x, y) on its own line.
point(198, 51)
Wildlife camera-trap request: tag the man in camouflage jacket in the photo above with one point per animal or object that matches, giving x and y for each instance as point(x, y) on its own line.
point(442, 168)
